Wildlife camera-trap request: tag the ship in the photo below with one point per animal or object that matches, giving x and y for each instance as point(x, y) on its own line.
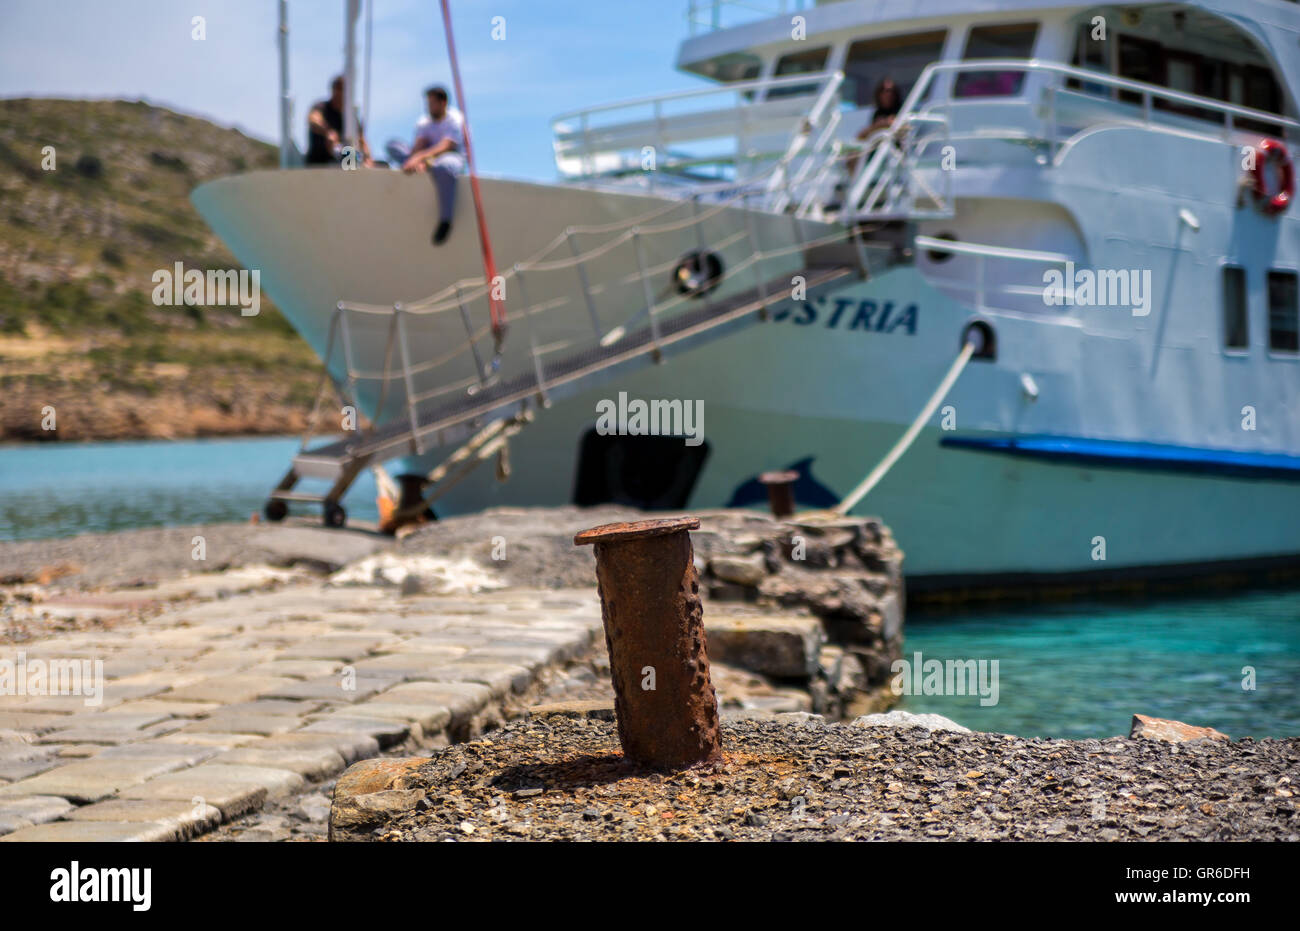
point(1055, 293)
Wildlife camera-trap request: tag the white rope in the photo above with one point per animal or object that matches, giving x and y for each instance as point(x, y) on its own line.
point(905, 441)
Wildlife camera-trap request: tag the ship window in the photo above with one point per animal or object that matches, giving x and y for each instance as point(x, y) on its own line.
point(1236, 333)
point(1007, 40)
point(1283, 312)
point(738, 66)
point(1140, 60)
point(902, 58)
point(812, 61)
point(1091, 55)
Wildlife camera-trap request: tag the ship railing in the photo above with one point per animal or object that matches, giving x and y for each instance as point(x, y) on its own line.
point(1051, 117)
point(973, 285)
point(712, 15)
point(733, 126)
point(576, 312)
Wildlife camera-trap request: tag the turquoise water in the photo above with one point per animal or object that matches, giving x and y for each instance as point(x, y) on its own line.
point(1079, 670)
point(63, 489)
point(1083, 670)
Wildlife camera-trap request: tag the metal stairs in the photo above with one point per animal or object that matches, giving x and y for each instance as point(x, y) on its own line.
point(341, 461)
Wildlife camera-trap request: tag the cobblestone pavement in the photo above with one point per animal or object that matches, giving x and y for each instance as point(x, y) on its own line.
point(222, 707)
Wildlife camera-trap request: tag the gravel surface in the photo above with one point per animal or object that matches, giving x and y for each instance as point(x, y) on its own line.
point(564, 778)
point(154, 554)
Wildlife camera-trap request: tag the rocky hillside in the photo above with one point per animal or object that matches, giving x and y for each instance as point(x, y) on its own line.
point(80, 239)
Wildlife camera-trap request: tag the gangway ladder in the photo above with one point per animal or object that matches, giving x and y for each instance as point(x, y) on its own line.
point(341, 461)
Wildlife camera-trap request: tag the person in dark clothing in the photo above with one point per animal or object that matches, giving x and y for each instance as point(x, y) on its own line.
point(325, 130)
point(888, 102)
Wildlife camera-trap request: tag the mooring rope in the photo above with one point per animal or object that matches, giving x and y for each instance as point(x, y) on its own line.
point(905, 441)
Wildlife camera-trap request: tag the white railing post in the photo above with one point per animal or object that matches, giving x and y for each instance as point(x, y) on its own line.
point(532, 336)
point(345, 332)
point(1051, 124)
point(759, 284)
point(648, 291)
point(404, 350)
point(586, 146)
point(469, 335)
point(581, 266)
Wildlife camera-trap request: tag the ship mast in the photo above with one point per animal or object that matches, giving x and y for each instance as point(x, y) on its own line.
point(286, 102)
point(351, 13)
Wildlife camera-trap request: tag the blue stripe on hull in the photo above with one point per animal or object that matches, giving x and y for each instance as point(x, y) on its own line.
point(1129, 455)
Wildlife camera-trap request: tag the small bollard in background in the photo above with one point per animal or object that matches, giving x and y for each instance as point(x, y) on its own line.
point(780, 491)
point(649, 599)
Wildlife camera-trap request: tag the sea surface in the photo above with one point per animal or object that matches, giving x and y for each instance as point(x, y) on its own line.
point(1063, 670)
point(64, 489)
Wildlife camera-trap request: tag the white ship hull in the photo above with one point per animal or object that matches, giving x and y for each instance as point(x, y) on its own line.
point(827, 395)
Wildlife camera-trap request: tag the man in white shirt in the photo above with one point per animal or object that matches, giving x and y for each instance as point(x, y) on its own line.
point(439, 147)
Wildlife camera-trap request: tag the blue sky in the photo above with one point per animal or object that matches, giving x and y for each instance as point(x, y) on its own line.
point(558, 55)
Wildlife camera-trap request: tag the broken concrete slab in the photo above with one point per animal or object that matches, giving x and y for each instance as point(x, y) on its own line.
point(781, 646)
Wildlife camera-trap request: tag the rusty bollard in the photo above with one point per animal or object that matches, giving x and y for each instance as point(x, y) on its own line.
point(649, 599)
point(780, 491)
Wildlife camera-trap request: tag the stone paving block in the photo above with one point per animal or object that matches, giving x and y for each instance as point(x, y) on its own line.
point(221, 661)
point(222, 741)
point(501, 678)
point(406, 624)
point(431, 718)
point(25, 811)
point(530, 658)
point(114, 719)
point(442, 644)
point(385, 732)
point(119, 666)
point(114, 694)
point(170, 677)
point(314, 764)
point(281, 706)
point(184, 754)
point(462, 699)
point(406, 666)
point(14, 770)
point(331, 688)
point(345, 649)
point(784, 647)
point(297, 668)
point(175, 709)
point(350, 746)
point(228, 689)
point(90, 780)
point(185, 816)
point(233, 789)
point(29, 722)
point(95, 832)
point(262, 725)
point(109, 736)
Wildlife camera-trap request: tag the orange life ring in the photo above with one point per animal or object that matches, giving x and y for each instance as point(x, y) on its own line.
point(1275, 201)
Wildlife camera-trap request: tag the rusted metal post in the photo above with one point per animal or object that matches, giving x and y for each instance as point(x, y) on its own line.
point(649, 598)
point(780, 491)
